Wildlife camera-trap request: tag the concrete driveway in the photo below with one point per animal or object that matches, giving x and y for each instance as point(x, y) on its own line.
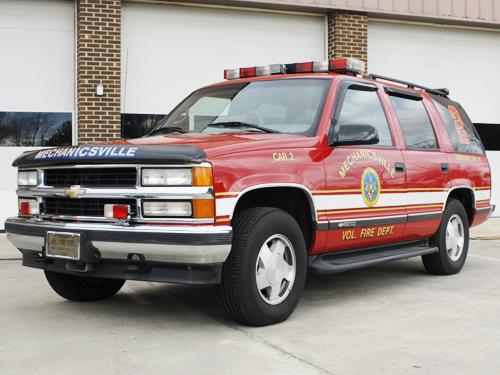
point(390, 319)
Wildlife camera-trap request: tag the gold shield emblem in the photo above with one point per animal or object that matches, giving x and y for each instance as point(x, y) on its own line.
point(74, 192)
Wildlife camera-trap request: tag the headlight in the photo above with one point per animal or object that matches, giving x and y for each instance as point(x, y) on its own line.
point(166, 209)
point(167, 177)
point(27, 178)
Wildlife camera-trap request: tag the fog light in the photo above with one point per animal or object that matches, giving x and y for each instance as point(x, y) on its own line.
point(28, 207)
point(116, 211)
point(166, 209)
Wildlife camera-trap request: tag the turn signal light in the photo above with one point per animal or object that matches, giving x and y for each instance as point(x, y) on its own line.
point(202, 176)
point(116, 211)
point(203, 208)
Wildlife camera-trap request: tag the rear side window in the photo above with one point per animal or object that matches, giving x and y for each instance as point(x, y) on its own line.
point(415, 123)
point(459, 127)
point(364, 107)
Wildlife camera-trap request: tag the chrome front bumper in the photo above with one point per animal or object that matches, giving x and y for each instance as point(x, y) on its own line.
point(185, 244)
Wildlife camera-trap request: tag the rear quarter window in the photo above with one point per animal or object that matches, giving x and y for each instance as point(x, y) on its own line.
point(463, 136)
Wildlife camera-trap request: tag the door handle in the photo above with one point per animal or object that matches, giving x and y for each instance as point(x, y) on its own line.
point(444, 167)
point(400, 167)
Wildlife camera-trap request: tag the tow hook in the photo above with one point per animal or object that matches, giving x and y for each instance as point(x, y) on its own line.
point(136, 263)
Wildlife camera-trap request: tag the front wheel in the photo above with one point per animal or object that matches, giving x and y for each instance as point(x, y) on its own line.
point(81, 288)
point(452, 240)
point(265, 273)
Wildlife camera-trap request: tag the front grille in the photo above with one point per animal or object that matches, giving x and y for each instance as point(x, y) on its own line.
point(83, 206)
point(91, 177)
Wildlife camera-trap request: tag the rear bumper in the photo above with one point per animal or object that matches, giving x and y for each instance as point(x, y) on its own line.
point(109, 250)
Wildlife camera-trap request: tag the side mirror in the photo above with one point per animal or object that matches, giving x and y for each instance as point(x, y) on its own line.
point(355, 134)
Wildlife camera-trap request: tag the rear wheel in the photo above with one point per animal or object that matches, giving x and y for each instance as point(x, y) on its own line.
point(452, 241)
point(265, 273)
point(83, 289)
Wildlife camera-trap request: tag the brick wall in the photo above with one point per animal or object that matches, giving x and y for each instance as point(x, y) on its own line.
point(348, 35)
point(98, 59)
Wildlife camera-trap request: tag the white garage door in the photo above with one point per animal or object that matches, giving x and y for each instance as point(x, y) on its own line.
point(169, 51)
point(464, 60)
point(36, 83)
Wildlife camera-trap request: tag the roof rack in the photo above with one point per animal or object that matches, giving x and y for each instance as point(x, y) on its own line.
point(440, 91)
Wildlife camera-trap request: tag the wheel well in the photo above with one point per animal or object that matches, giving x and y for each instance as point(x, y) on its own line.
point(466, 197)
point(292, 200)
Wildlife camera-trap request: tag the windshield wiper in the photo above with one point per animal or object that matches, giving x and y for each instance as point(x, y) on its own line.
point(239, 124)
point(166, 130)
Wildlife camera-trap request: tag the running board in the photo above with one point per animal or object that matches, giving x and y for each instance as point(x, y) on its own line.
point(345, 261)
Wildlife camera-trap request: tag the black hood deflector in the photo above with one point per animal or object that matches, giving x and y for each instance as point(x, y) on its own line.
point(110, 154)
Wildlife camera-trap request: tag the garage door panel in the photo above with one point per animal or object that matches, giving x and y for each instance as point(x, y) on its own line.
point(36, 83)
point(169, 51)
point(463, 60)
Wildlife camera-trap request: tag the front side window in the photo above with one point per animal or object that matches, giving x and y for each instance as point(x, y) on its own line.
point(415, 123)
point(364, 108)
point(460, 129)
point(282, 106)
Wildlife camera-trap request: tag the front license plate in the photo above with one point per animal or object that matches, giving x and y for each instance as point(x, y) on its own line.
point(63, 245)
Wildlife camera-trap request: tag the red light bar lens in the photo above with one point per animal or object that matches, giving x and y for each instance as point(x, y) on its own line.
point(352, 66)
point(248, 72)
point(305, 67)
point(231, 73)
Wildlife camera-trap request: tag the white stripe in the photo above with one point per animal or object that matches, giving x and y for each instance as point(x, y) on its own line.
point(225, 206)
point(482, 194)
point(353, 201)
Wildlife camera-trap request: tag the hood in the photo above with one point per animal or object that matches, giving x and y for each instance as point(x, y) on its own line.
point(220, 144)
point(163, 149)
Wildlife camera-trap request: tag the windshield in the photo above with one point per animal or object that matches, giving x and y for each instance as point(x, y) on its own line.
point(277, 106)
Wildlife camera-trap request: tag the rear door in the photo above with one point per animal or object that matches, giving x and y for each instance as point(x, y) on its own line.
point(427, 169)
point(365, 196)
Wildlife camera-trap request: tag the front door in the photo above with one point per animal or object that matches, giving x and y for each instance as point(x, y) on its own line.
point(365, 199)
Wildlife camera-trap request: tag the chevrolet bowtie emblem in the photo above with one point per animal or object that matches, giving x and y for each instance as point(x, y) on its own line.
point(74, 192)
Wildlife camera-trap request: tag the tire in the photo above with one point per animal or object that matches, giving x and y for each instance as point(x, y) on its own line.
point(259, 232)
point(446, 261)
point(82, 289)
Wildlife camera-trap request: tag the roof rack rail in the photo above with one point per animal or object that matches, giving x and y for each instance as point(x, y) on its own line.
point(440, 91)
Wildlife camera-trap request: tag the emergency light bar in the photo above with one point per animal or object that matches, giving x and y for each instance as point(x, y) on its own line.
point(346, 66)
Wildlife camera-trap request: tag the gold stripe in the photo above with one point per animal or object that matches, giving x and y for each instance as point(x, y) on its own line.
point(336, 191)
point(482, 188)
point(222, 194)
point(379, 209)
point(223, 220)
point(430, 189)
point(402, 190)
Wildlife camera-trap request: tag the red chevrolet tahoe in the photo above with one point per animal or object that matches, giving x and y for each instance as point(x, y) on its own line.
point(251, 182)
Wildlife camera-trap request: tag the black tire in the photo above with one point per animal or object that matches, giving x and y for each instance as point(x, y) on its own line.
point(241, 298)
point(441, 263)
point(81, 288)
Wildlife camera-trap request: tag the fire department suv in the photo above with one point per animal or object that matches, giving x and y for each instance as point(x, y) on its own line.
point(250, 182)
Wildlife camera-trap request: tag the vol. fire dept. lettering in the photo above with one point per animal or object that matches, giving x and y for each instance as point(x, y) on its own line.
point(353, 234)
